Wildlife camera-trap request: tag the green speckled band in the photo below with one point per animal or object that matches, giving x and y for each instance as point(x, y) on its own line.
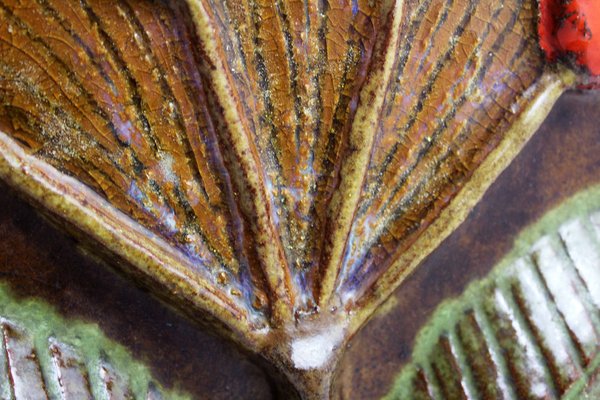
point(104, 367)
point(530, 329)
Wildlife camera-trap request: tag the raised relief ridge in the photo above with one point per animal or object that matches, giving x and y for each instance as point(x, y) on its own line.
point(274, 167)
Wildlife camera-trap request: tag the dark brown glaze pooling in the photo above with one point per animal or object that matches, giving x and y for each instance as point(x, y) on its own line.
point(39, 261)
point(278, 167)
point(559, 161)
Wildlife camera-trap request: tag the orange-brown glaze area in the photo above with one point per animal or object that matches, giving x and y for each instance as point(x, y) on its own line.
point(298, 68)
point(111, 93)
point(443, 115)
point(228, 136)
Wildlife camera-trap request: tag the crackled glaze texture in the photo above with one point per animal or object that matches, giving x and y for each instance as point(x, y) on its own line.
point(274, 167)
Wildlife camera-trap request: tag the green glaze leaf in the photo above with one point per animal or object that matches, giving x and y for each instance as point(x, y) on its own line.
point(530, 329)
point(45, 356)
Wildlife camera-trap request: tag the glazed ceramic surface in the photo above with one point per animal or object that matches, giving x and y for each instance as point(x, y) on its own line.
point(273, 169)
point(530, 329)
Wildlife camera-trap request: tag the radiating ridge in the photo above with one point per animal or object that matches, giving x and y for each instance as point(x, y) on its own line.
point(273, 159)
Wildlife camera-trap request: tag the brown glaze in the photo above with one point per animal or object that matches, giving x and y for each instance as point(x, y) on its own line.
point(39, 261)
point(276, 169)
point(530, 328)
point(53, 268)
point(560, 160)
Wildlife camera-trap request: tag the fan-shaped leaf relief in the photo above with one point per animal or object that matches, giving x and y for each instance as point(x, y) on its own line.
point(268, 161)
point(44, 356)
point(528, 330)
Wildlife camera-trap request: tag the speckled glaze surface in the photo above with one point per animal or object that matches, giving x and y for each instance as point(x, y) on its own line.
point(274, 170)
point(40, 263)
point(530, 328)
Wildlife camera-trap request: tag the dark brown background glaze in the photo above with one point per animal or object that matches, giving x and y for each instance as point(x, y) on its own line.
point(39, 261)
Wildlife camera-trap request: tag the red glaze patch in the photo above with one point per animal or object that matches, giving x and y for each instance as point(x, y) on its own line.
point(571, 28)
